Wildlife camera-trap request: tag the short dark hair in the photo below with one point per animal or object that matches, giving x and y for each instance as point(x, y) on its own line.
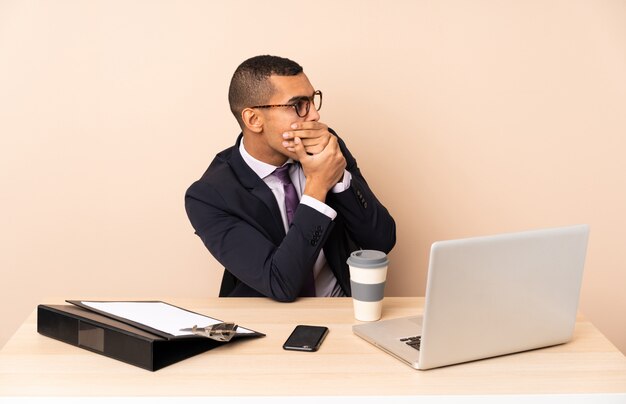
point(250, 84)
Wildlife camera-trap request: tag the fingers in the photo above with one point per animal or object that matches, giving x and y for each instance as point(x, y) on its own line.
point(307, 142)
point(299, 149)
point(309, 125)
point(314, 136)
point(304, 130)
point(304, 134)
point(322, 170)
point(331, 145)
point(312, 146)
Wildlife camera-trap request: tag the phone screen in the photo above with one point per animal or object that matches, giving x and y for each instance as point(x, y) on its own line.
point(306, 338)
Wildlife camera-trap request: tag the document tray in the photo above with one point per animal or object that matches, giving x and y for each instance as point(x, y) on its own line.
point(115, 339)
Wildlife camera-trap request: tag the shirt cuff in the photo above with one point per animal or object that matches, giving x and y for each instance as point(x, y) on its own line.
point(343, 185)
point(319, 206)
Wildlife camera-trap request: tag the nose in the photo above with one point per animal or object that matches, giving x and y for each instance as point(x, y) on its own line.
point(313, 114)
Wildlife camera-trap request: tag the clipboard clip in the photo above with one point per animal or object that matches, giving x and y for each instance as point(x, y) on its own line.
point(222, 332)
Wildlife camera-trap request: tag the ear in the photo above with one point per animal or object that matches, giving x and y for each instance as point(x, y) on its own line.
point(252, 119)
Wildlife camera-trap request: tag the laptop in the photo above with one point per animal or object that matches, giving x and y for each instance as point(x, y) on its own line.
point(490, 296)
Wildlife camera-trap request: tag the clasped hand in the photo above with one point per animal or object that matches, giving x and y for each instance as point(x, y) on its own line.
point(319, 154)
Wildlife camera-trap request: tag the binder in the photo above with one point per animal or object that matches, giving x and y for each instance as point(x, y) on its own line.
point(129, 342)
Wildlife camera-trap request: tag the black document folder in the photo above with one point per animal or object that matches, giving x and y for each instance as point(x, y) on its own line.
point(131, 343)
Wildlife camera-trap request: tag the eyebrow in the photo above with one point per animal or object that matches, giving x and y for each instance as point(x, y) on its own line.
point(300, 97)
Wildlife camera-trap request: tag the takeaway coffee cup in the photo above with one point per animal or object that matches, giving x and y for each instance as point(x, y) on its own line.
point(368, 272)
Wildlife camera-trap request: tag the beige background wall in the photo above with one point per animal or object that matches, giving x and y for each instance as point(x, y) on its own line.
point(467, 117)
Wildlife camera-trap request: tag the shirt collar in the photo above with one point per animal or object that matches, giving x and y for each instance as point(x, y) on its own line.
point(260, 168)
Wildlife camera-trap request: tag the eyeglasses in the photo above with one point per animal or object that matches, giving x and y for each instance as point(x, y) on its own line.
point(302, 105)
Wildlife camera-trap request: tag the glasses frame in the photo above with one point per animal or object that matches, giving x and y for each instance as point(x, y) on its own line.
point(294, 106)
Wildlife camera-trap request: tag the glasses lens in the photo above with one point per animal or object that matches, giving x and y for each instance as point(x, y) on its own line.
point(317, 100)
point(302, 107)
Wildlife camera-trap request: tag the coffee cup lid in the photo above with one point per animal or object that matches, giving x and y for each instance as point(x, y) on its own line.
point(368, 259)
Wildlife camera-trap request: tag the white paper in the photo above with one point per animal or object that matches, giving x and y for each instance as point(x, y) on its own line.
point(158, 315)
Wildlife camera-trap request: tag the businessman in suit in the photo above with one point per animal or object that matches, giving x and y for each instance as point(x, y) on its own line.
point(285, 206)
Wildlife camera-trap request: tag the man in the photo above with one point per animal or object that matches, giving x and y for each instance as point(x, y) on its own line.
point(283, 209)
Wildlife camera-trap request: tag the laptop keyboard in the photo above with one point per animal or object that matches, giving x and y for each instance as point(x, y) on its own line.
point(413, 342)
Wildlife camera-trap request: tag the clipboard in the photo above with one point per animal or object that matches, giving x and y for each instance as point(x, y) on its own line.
point(144, 318)
point(122, 339)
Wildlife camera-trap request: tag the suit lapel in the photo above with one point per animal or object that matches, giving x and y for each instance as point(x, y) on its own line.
point(251, 181)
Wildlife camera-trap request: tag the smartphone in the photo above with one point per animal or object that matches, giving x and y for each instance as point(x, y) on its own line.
point(306, 338)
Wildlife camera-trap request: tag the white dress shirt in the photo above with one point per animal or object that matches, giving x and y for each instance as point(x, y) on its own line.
point(325, 282)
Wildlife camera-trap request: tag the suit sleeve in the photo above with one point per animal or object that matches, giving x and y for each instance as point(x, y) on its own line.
point(367, 221)
point(247, 251)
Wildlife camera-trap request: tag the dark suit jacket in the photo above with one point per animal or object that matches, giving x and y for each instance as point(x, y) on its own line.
point(237, 217)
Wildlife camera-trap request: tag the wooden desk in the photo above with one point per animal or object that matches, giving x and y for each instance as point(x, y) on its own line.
point(34, 365)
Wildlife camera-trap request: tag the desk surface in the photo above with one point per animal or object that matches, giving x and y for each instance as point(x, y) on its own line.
point(31, 364)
